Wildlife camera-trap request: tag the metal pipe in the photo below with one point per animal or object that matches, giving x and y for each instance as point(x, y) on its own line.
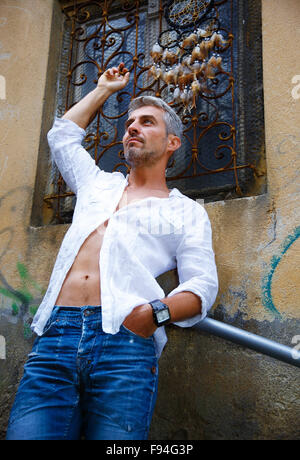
point(250, 340)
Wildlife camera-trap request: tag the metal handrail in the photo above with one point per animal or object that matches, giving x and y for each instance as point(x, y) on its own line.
point(250, 340)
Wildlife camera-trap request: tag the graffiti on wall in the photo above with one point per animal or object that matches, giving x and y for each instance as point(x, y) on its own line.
point(24, 300)
point(18, 299)
point(268, 279)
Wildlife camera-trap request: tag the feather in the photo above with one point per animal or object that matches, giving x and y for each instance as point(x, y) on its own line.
point(171, 58)
point(190, 40)
point(219, 63)
point(196, 53)
point(209, 44)
point(176, 94)
point(209, 71)
point(185, 79)
point(187, 61)
point(168, 77)
point(195, 87)
point(156, 52)
point(219, 40)
point(203, 50)
point(156, 72)
point(202, 33)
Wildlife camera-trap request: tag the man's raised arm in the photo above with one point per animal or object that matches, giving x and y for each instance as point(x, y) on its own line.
point(111, 81)
point(65, 138)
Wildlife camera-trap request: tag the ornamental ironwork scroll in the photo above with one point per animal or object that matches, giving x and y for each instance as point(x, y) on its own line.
point(102, 33)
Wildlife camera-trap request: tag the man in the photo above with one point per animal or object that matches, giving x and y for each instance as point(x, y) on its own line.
point(94, 366)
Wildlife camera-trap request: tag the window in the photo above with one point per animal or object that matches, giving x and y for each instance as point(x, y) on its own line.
point(223, 149)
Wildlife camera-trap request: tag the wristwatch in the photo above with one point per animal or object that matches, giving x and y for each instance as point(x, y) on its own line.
point(161, 313)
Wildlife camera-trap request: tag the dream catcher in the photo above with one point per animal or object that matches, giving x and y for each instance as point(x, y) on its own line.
point(187, 55)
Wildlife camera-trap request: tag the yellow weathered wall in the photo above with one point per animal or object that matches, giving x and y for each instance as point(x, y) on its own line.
point(281, 57)
point(214, 389)
point(24, 47)
point(24, 37)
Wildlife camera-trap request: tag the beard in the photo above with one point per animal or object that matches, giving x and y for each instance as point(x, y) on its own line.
point(138, 157)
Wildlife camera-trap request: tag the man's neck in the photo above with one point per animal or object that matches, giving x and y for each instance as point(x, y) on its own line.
point(146, 180)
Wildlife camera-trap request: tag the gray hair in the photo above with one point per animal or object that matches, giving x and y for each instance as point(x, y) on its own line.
point(172, 120)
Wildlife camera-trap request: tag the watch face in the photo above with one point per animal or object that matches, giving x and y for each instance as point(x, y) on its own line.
point(162, 315)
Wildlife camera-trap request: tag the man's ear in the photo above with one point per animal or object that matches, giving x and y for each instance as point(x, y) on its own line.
point(174, 142)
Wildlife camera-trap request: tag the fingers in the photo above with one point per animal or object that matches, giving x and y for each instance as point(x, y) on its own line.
point(110, 73)
point(122, 69)
point(113, 72)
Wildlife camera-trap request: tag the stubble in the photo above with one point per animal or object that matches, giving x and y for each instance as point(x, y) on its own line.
point(139, 157)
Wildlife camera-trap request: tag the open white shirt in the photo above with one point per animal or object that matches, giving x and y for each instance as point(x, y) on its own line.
point(142, 240)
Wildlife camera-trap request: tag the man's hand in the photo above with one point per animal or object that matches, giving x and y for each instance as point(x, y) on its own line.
point(111, 80)
point(140, 321)
point(114, 79)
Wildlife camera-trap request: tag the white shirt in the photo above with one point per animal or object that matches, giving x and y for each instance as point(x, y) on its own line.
point(142, 240)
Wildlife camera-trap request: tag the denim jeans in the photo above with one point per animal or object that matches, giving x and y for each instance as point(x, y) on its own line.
point(82, 383)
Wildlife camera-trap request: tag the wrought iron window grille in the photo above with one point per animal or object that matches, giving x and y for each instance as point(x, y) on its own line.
point(223, 149)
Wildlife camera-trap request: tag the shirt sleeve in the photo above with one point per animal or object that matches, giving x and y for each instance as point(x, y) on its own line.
point(196, 266)
point(73, 161)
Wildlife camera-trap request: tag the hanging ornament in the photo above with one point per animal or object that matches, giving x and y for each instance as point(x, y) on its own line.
point(169, 57)
point(186, 56)
point(156, 52)
point(189, 41)
point(183, 15)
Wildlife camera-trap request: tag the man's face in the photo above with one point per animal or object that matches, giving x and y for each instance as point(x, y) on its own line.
point(145, 140)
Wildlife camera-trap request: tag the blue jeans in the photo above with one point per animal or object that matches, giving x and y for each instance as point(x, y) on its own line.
point(82, 383)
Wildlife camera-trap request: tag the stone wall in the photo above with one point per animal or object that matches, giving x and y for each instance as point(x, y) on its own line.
point(214, 389)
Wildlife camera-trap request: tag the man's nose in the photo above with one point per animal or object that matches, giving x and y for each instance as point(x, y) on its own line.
point(133, 128)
